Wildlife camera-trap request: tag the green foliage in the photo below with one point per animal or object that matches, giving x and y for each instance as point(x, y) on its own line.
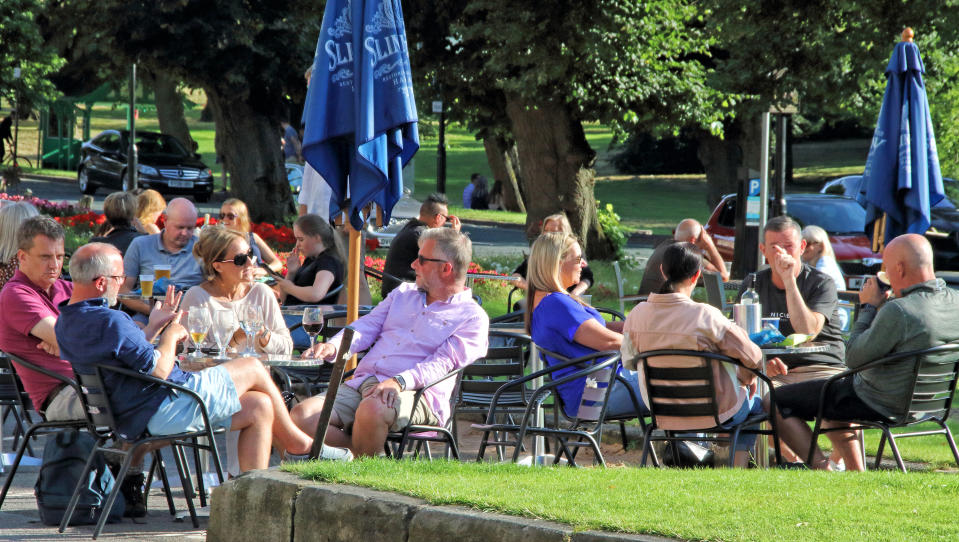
point(22, 45)
point(615, 232)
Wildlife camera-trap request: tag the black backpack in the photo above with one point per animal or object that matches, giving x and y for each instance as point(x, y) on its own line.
point(64, 456)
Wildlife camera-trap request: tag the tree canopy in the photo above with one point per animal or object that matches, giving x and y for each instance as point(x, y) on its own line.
point(23, 46)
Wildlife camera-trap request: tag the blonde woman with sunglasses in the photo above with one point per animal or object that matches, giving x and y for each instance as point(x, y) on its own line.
point(235, 216)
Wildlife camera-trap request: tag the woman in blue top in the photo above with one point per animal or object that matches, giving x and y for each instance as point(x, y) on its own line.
point(561, 322)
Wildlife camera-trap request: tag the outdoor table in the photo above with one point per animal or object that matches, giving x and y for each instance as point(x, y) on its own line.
point(297, 310)
point(762, 444)
point(535, 364)
point(154, 297)
point(188, 363)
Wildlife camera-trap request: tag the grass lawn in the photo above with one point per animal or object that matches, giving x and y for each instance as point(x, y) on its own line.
point(717, 504)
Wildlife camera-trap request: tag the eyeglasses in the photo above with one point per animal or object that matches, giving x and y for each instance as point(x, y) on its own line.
point(445, 217)
point(423, 259)
point(231, 216)
point(118, 278)
point(240, 259)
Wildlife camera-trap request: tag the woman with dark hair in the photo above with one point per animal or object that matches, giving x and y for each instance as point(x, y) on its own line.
point(322, 268)
point(671, 319)
point(561, 322)
point(120, 209)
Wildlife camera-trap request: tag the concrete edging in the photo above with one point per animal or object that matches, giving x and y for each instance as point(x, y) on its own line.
point(279, 506)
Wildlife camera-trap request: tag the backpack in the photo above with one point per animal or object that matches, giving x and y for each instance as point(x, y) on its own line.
point(64, 456)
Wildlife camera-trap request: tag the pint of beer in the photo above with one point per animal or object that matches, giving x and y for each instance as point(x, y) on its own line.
point(146, 286)
point(161, 271)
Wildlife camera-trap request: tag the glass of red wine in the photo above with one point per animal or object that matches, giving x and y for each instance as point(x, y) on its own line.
point(312, 322)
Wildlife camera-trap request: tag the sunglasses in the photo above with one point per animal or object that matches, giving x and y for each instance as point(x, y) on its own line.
point(231, 216)
point(423, 259)
point(240, 259)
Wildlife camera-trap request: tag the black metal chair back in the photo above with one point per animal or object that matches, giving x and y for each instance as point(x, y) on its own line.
point(715, 290)
point(505, 360)
point(421, 436)
point(936, 372)
point(686, 395)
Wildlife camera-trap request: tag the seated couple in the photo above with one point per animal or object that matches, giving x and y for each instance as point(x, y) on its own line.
point(239, 394)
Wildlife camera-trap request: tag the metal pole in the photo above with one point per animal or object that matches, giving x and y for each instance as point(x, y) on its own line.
point(763, 184)
point(16, 115)
point(441, 154)
point(782, 133)
point(131, 181)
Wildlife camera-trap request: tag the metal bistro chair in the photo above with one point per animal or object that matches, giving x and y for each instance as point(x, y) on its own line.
point(422, 435)
point(505, 360)
point(8, 377)
point(621, 290)
point(695, 387)
point(14, 401)
point(598, 368)
point(102, 424)
point(935, 371)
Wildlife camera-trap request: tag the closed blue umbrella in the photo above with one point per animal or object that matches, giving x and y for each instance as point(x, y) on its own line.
point(902, 181)
point(360, 121)
point(360, 115)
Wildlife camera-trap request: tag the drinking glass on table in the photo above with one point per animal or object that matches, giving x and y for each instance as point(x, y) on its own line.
point(198, 324)
point(162, 271)
point(251, 320)
point(312, 323)
point(146, 285)
point(224, 324)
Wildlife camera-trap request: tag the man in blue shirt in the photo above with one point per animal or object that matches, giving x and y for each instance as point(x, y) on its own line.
point(173, 246)
point(239, 394)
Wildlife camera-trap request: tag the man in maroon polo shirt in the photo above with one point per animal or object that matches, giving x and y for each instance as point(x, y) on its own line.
point(30, 309)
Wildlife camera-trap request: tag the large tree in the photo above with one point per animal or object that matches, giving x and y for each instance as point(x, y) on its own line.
point(22, 46)
point(560, 64)
point(249, 57)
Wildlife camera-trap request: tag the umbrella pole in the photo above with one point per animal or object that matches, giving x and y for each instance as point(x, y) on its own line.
point(879, 233)
point(353, 274)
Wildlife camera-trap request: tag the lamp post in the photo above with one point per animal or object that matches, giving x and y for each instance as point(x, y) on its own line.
point(441, 149)
point(130, 182)
point(16, 113)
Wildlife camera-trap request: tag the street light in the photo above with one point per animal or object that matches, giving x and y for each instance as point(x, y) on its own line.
point(16, 114)
point(441, 149)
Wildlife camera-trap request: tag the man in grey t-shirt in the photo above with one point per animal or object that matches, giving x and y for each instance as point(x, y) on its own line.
point(691, 231)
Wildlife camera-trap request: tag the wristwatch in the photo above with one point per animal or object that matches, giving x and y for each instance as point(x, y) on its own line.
point(401, 381)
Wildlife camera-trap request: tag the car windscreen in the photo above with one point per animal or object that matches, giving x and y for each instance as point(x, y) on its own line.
point(160, 145)
point(832, 215)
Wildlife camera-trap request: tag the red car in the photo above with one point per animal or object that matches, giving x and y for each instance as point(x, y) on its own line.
point(842, 218)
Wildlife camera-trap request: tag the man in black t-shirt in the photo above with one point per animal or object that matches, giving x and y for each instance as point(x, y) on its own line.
point(803, 298)
point(405, 246)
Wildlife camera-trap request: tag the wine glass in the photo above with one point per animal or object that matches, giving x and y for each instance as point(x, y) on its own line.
point(312, 322)
point(224, 324)
point(198, 324)
point(251, 320)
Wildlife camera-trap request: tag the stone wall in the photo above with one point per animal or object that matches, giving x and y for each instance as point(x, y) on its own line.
point(277, 507)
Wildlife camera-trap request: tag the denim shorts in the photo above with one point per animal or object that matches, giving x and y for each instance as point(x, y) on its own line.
point(180, 413)
point(751, 405)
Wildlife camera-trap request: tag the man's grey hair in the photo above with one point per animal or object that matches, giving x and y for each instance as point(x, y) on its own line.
point(780, 224)
point(455, 246)
point(91, 261)
point(38, 225)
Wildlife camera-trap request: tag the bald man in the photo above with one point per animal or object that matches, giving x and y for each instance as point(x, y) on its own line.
point(921, 314)
point(173, 246)
point(687, 231)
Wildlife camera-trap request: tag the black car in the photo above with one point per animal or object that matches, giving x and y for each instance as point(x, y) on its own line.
point(163, 164)
point(943, 234)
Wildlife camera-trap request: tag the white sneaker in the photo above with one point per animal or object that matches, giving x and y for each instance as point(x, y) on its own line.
point(328, 453)
point(838, 467)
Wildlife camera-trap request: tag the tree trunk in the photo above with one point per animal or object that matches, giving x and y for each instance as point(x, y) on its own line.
point(558, 176)
point(722, 158)
point(170, 112)
point(250, 143)
point(501, 164)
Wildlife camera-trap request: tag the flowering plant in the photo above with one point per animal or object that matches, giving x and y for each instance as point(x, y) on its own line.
point(46, 207)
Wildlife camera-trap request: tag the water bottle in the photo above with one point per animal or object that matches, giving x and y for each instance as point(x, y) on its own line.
point(750, 297)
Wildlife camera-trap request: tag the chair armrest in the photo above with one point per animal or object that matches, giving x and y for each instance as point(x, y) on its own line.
point(159, 381)
point(34, 367)
point(447, 376)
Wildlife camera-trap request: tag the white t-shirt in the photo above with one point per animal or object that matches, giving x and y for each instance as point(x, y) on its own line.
point(259, 295)
point(315, 193)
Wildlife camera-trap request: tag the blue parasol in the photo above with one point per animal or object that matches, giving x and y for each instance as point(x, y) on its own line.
point(360, 114)
point(902, 181)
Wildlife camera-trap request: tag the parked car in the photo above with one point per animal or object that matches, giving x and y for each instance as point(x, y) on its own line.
point(944, 231)
point(163, 164)
point(842, 218)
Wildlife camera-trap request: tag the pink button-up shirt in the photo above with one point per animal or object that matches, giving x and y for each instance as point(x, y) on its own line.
point(418, 342)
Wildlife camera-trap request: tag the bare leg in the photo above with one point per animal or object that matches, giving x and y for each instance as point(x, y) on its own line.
point(255, 423)
point(306, 416)
point(373, 421)
point(797, 435)
point(846, 443)
point(248, 374)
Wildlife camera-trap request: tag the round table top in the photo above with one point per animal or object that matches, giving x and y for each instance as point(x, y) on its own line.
point(188, 363)
point(297, 310)
point(804, 348)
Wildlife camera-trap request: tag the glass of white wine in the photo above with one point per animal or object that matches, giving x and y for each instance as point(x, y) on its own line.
point(198, 324)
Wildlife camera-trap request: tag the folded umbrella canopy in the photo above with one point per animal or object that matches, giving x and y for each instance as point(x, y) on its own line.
point(360, 121)
point(902, 181)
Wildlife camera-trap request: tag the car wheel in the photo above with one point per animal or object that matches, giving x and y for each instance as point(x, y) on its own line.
point(83, 180)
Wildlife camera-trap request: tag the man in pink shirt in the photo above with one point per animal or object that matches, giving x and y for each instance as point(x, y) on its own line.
point(30, 309)
point(416, 335)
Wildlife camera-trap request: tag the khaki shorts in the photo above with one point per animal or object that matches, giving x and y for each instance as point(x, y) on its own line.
point(806, 373)
point(348, 400)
